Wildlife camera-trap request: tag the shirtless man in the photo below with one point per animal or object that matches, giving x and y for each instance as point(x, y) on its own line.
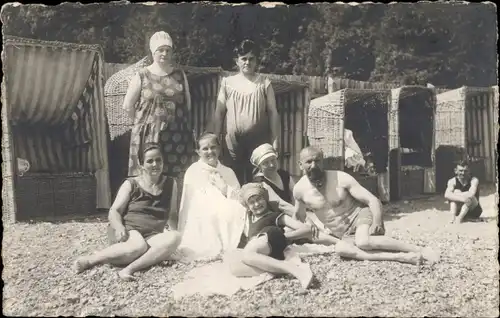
point(345, 209)
point(463, 193)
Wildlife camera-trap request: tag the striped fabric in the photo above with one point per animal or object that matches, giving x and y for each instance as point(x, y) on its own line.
point(55, 99)
point(465, 119)
point(44, 82)
point(53, 105)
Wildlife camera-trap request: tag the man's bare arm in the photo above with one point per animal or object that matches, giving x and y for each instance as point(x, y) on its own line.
point(474, 185)
point(450, 195)
point(300, 207)
point(359, 193)
point(299, 229)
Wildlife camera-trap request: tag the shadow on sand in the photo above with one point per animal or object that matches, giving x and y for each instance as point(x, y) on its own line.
point(100, 216)
point(400, 209)
point(392, 211)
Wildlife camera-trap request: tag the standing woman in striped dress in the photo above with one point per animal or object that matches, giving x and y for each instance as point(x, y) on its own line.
point(159, 102)
point(247, 102)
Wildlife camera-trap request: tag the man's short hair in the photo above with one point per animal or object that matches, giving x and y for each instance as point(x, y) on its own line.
point(310, 149)
point(462, 163)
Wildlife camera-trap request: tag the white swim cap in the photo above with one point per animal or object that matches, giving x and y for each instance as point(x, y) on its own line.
point(159, 39)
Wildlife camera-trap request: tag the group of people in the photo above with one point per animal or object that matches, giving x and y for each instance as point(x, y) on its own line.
point(247, 211)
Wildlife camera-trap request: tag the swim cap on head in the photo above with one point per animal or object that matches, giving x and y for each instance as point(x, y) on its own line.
point(158, 39)
point(250, 189)
point(261, 153)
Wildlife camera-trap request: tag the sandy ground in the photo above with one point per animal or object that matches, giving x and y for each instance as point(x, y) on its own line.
point(38, 281)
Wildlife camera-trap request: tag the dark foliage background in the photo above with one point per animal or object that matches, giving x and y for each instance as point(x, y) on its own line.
point(414, 43)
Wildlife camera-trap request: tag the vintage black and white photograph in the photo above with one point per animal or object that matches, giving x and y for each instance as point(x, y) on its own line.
point(209, 159)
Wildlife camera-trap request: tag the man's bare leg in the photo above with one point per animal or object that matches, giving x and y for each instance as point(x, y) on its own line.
point(367, 242)
point(120, 254)
point(347, 250)
point(351, 251)
point(160, 247)
point(466, 208)
point(453, 211)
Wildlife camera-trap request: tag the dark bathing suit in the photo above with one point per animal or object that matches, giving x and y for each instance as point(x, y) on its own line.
point(285, 194)
point(147, 213)
point(268, 225)
point(474, 214)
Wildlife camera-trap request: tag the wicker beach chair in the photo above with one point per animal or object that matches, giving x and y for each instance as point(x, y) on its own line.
point(465, 129)
point(330, 115)
point(412, 122)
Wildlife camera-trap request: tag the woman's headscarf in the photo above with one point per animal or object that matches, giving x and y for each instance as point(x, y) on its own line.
point(159, 39)
point(261, 153)
point(249, 190)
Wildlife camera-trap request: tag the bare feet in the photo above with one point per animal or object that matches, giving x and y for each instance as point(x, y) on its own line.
point(412, 258)
point(125, 275)
point(81, 265)
point(458, 221)
point(430, 255)
point(292, 257)
point(304, 275)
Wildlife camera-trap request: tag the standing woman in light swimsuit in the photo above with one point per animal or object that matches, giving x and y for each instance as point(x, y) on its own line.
point(247, 102)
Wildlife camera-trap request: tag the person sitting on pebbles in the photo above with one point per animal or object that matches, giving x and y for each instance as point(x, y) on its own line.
point(142, 229)
point(268, 242)
point(462, 192)
point(344, 208)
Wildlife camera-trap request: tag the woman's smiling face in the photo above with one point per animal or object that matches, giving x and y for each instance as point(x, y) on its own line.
point(269, 165)
point(257, 204)
point(153, 162)
point(209, 151)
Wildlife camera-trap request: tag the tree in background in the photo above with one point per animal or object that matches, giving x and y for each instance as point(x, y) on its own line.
point(438, 43)
point(414, 43)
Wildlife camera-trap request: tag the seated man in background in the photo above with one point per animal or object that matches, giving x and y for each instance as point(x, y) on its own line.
point(463, 193)
point(346, 209)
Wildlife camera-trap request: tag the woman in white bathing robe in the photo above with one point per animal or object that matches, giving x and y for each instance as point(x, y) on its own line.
point(211, 219)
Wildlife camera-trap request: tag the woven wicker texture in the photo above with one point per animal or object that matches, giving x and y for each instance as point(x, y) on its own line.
point(327, 115)
point(450, 118)
point(85, 131)
point(8, 205)
point(465, 128)
point(116, 88)
point(202, 89)
point(325, 129)
point(52, 195)
point(282, 83)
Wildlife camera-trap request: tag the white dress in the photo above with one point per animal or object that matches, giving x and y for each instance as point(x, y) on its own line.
point(210, 223)
point(353, 155)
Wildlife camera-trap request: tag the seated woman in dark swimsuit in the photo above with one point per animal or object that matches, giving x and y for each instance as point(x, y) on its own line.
point(266, 249)
point(143, 226)
point(276, 181)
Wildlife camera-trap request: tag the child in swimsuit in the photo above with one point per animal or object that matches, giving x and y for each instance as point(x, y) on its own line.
point(267, 245)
